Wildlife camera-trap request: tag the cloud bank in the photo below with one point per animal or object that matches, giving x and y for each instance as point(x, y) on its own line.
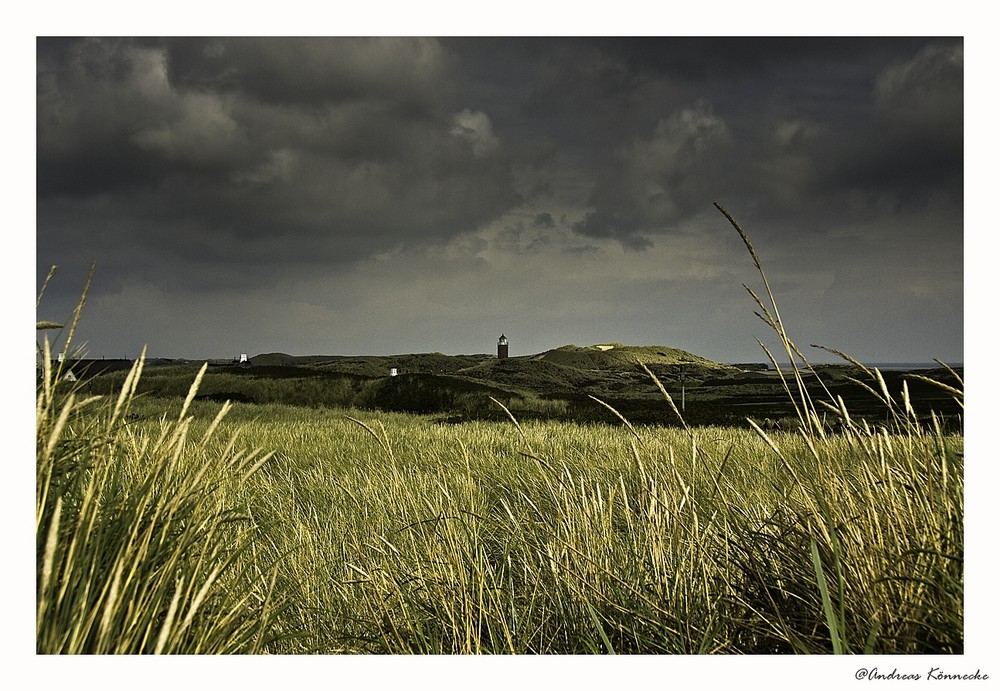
point(388, 195)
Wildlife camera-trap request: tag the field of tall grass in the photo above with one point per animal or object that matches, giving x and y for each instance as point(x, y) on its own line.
point(219, 528)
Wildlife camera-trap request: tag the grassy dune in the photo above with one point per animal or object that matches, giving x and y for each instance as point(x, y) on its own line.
point(603, 356)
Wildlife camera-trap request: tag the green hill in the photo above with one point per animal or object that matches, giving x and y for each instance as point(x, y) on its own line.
point(594, 369)
point(533, 374)
point(616, 355)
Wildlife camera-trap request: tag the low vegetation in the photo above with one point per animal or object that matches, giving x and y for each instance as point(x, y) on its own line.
point(534, 387)
point(198, 526)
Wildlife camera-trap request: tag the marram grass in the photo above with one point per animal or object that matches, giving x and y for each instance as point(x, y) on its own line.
point(412, 536)
point(145, 543)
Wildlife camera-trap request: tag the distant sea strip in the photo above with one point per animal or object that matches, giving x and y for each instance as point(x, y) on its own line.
point(891, 366)
point(884, 366)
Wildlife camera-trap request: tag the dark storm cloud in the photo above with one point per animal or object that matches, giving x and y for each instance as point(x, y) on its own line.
point(314, 71)
point(659, 180)
point(543, 220)
point(254, 153)
point(237, 166)
point(782, 121)
point(913, 146)
point(353, 145)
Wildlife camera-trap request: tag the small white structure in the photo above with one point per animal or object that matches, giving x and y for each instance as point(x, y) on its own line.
point(243, 357)
point(393, 371)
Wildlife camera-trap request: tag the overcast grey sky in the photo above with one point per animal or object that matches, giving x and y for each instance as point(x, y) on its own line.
point(397, 195)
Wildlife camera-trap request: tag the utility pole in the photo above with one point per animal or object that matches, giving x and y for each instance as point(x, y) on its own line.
point(683, 377)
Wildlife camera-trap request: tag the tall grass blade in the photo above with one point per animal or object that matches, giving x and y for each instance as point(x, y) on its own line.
point(831, 617)
point(600, 630)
